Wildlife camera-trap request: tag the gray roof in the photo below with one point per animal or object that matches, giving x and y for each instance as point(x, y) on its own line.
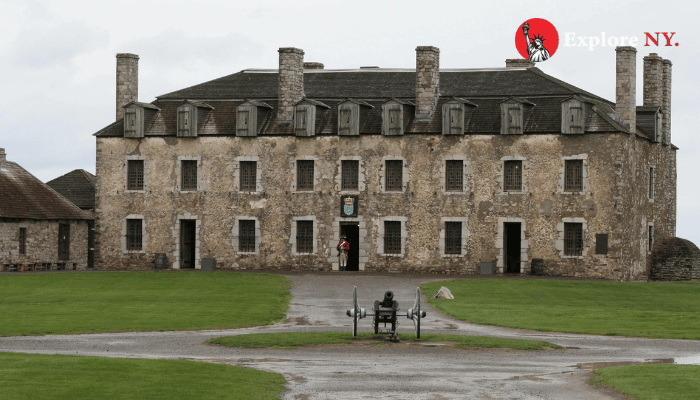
point(78, 186)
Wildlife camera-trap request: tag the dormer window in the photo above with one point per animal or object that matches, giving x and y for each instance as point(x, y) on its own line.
point(573, 116)
point(250, 116)
point(393, 121)
point(138, 118)
point(305, 117)
point(512, 120)
point(191, 117)
point(453, 116)
point(349, 116)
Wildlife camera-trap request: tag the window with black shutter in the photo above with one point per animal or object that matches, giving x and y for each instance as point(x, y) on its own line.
point(454, 176)
point(246, 237)
point(22, 240)
point(134, 234)
point(573, 239)
point(453, 238)
point(305, 174)
point(189, 174)
point(394, 175)
point(513, 176)
point(601, 243)
point(392, 237)
point(350, 174)
point(248, 176)
point(573, 175)
point(135, 174)
point(305, 236)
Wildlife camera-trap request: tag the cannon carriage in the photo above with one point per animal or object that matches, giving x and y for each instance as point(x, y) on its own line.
point(386, 312)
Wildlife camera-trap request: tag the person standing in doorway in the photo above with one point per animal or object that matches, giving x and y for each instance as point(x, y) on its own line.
point(343, 249)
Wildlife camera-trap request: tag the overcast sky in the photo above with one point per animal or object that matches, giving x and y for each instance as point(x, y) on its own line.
point(57, 72)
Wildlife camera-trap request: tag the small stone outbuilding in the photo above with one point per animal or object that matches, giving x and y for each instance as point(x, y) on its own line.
point(674, 259)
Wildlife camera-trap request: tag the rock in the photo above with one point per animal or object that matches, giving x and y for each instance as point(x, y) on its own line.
point(443, 293)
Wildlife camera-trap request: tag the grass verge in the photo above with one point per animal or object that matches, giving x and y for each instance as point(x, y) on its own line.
point(600, 308)
point(94, 302)
point(38, 376)
point(292, 340)
point(654, 381)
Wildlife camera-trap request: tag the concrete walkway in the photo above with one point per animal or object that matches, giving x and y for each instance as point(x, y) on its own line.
point(402, 371)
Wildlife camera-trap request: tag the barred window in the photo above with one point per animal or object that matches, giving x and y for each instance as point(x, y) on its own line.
point(305, 174)
point(305, 236)
point(246, 236)
point(573, 176)
point(248, 175)
point(392, 237)
point(453, 238)
point(573, 239)
point(134, 234)
point(22, 240)
point(394, 175)
point(135, 174)
point(189, 175)
point(454, 171)
point(513, 176)
point(350, 174)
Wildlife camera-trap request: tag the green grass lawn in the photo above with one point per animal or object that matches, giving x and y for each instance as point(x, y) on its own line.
point(37, 376)
point(292, 340)
point(655, 381)
point(92, 302)
point(602, 308)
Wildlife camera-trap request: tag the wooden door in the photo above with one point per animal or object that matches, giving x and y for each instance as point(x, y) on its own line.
point(63, 242)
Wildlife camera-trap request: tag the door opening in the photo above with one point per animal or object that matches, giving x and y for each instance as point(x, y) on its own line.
point(352, 231)
point(511, 247)
point(63, 242)
point(188, 236)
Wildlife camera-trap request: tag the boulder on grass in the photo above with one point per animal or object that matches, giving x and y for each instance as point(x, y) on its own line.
point(443, 293)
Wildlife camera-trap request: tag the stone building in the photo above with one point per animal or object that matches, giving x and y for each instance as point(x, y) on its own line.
point(425, 170)
point(39, 228)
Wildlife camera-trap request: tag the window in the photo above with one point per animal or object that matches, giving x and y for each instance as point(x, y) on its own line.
point(305, 174)
point(131, 123)
point(135, 175)
point(246, 238)
point(22, 240)
point(573, 239)
point(572, 116)
point(513, 176)
point(184, 121)
point(134, 237)
point(305, 237)
point(512, 118)
point(344, 124)
point(392, 237)
point(189, 175)
point(394, 175)
point(453, 238)
point(249, 170)
point(651, 183)
point(350, 174)
point(454, 176)
point(300, 122)
point(243, 122)
point(650, 245)
point(392, 118)
point(453, 119)
point(573, 175)
point(601, 243)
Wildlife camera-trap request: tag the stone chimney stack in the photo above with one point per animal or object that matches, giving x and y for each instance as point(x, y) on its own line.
point(3, 156)
point(625, 85)
point(666, 101)
point(519, 63)
point(127, 81)
point(427, 80)
point(653, 80)
point(290, 84)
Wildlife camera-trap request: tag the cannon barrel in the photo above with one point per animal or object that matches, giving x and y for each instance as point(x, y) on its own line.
point(388, 299)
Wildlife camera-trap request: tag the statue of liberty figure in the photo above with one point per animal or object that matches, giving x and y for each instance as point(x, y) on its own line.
point(535, 48)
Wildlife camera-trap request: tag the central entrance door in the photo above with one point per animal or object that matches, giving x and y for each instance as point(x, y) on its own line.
point(188, 236)
point(511, 247)
point(352, 231)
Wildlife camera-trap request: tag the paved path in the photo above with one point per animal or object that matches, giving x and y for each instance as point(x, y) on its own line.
point(402, 371)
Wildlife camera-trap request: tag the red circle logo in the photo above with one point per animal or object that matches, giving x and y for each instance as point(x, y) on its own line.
point(536, 39)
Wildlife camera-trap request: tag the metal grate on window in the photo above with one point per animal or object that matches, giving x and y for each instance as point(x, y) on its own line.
point(573, 177)
point(350, 174)
point(134, 234)
point(249, 175)
point(305, 236)
point(453, 238)
point(454, 176)
point(394, 175)
point(22, 240)
point(573, 239)
point(513, 176)
point(392, 237)
point(246, 237)
point(189, 175)
point(305, 174)
point(135, 175)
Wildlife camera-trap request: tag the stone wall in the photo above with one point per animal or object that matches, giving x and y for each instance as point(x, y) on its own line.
point(674, 259)
point(42, 242)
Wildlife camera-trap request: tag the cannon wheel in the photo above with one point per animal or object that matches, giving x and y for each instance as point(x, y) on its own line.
point(356, 306)
point(416, 313)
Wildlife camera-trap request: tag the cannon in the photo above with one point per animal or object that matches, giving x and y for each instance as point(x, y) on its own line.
point(385, 312)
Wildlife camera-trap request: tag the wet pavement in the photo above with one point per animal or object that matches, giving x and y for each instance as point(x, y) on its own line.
point(389, 371)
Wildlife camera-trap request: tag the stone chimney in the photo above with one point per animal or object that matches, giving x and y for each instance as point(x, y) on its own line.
point(625, 85)
point(519, 63)
point(427, 80)
point(290, 84)
point(653, 80)
point(666, 101)
point(3, 156)
point(313, 65)
point(127, 81)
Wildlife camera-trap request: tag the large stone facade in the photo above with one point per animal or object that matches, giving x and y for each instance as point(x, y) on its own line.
point(628, 185)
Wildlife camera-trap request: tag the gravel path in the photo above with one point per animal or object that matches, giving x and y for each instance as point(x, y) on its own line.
point(403, 371)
